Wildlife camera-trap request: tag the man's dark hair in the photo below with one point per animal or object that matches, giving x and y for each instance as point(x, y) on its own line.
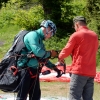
point(79, 19)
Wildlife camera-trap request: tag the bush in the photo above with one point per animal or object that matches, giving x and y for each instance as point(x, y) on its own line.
point(7, 14)
point(14, 12)
point(55, 43)
point(98, 58)
point(29, 19)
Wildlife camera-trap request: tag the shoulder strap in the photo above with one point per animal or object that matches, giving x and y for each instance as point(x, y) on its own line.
point(17, 45)
point(20, 43)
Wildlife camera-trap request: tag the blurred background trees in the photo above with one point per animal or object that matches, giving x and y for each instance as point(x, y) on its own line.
point(60, 11)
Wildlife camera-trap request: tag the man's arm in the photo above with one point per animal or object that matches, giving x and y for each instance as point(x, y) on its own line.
point(67, 50)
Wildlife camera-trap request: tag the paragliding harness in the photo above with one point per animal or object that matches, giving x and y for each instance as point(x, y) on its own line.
point(10, 75)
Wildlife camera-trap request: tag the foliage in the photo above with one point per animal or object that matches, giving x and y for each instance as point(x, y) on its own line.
point(93, 15)
point(62, 12)
point(15, 13)
point(98, 57)
point(51, 9)
point(7, 14)
point(56, 43)
point(79, 6)
point(69, 9)
point(2, 1)
point(29, 19)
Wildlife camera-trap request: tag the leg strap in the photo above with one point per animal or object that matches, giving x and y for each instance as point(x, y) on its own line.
point(31, 74)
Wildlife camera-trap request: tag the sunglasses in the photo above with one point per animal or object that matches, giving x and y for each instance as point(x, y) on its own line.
point(50, 32)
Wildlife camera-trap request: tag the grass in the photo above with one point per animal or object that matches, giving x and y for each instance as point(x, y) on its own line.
point(62, 89)
point(96, 91)
point(54, 89)
point(7, 34)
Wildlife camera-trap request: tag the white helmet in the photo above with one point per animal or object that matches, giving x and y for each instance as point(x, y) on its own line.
point(49, 23)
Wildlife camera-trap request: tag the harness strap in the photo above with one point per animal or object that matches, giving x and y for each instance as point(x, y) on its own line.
point(31, 74)
point(14, 70)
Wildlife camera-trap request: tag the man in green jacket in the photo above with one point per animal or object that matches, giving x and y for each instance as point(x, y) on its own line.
point(34, 44)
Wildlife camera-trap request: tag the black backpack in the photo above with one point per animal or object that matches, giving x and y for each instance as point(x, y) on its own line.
point(8, 81)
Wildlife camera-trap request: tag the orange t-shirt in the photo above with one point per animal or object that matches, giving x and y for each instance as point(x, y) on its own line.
point(83, 46)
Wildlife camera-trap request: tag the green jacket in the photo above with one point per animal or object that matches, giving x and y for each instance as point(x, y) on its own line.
point(34, 43)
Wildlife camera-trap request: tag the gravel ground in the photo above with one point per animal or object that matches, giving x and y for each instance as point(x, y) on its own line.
point(12, 96)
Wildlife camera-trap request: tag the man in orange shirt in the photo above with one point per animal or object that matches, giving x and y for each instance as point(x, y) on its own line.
point(82, 46)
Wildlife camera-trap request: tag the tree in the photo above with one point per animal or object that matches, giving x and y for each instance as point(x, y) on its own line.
point(3, 1)
point(58, 11)
point(52, 9)
point(93, 15)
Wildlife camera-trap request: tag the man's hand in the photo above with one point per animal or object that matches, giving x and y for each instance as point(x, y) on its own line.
point(59, 72)
point(61, 61)
point(54, 53)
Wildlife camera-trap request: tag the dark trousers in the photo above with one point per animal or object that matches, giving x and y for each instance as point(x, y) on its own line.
point(29, 86)
point(81, 87)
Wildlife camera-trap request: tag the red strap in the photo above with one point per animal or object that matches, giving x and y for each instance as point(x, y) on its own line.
point(14, 69)
point(31, 74)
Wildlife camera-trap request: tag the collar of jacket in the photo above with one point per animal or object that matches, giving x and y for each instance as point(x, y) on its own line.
point(41, 34)
point(82, 27)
